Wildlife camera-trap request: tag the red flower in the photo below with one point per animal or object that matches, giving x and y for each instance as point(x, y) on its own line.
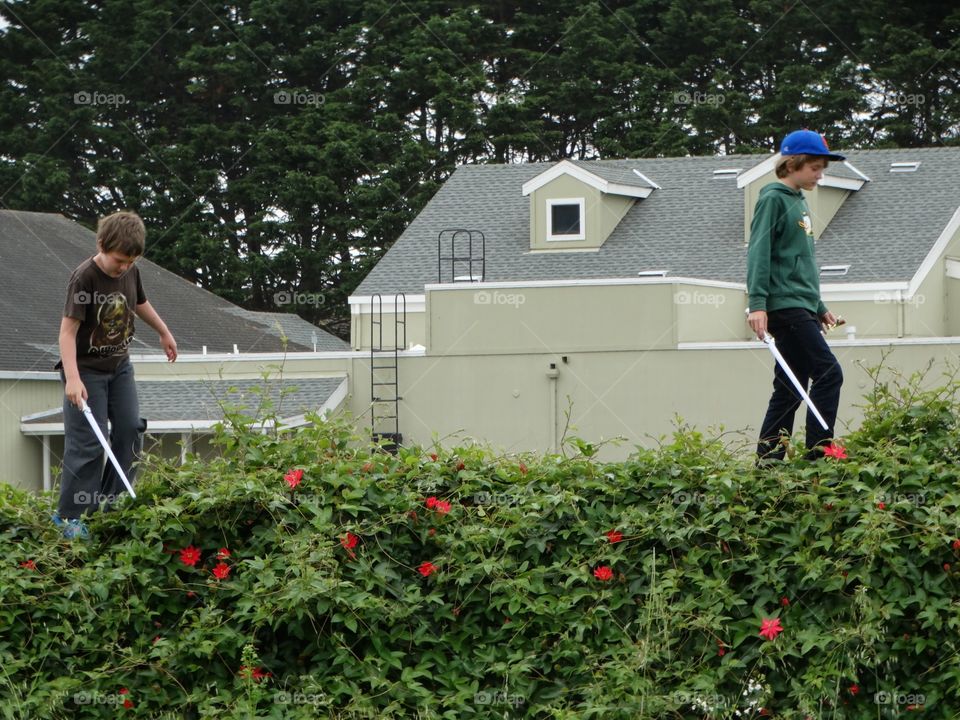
point(432, 502)
point(128, 703)
point(523, 469)
point(123, 691)
point(190, 556)
point(258, 674)
point(222, 570)
point(614, 536)
point(29, 565)
point(881, 506)
point(460, 465)
point(828, 506)
point(431, 532)
point(956, 544)
point(721, 652)
point(433, 456)
point(367, 467)
point(294, 478)
point(835, 450)
point(427, 568)
point(349, 541)
point(603, 573)
point(442, 507)
point(191, 594)
point(946, 566)
point(854, 689)
point(769, 629)
point(223, 554)
point(784, 601)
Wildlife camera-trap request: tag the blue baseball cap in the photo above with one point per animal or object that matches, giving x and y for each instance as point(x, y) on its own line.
point(807, 142)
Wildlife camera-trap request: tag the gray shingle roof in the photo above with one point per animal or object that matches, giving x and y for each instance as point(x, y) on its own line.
point(38, 251)
point(692, 226)
point(202, 401)
point(622, 175)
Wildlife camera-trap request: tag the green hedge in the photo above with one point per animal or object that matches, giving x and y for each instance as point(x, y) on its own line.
point(327, 609)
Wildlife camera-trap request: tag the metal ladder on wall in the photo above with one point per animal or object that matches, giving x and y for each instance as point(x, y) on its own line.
point(474, 239)
point(384, 372)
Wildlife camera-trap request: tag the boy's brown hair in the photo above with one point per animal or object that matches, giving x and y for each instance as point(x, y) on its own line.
point(791, 163)
point(122, 232)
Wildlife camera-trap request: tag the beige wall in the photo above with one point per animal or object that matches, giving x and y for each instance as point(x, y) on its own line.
point(360, 329)
point(21, 457)
point(513, 403)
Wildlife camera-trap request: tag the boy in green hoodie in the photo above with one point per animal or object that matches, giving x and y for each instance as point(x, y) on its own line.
point(783, 285)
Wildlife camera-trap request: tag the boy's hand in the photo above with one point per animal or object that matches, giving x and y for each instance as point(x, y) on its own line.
point(169, 345)
point(76, 392)
point(828, 319)
point(757, 320)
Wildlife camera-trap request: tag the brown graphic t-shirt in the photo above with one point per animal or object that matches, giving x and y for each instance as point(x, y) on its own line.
point(105, 307)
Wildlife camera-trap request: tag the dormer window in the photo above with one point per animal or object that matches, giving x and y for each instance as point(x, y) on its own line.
point(565, 219)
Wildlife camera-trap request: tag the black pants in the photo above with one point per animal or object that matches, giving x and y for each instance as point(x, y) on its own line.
point(797, 333)
point(86, 483)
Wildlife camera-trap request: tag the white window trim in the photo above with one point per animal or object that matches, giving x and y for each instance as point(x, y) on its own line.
point(582, 235)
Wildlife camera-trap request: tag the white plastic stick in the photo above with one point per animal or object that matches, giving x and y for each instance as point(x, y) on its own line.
point(106, 446)
point(771, 343)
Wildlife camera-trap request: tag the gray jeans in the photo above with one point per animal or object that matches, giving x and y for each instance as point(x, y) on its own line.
point(87, 483)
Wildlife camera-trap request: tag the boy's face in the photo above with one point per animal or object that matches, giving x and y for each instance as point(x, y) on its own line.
point(115, 263)
point(809, 175)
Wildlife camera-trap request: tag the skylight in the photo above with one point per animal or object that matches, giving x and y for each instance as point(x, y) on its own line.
point(652, 273)
point(904, 167)
point(833, 270)
point(727, 173)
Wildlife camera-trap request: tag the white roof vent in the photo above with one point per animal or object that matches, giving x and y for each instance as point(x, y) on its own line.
point(652, 273)
point(727, 173)
point(834, 270)
point(902, 167)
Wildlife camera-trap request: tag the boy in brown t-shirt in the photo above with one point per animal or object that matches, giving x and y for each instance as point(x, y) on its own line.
point(103, 295)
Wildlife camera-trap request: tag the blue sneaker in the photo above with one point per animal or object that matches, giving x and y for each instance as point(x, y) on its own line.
point(72, 529)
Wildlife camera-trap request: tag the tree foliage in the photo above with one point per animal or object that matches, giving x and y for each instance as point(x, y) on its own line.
point(277, 145)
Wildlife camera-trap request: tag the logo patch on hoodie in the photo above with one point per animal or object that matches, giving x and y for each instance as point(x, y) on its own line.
point(806, 225)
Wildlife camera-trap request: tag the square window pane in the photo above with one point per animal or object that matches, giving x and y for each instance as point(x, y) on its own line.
point(565, 219)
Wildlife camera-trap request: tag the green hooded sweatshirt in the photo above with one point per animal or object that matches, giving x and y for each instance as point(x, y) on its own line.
point(781, 268)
